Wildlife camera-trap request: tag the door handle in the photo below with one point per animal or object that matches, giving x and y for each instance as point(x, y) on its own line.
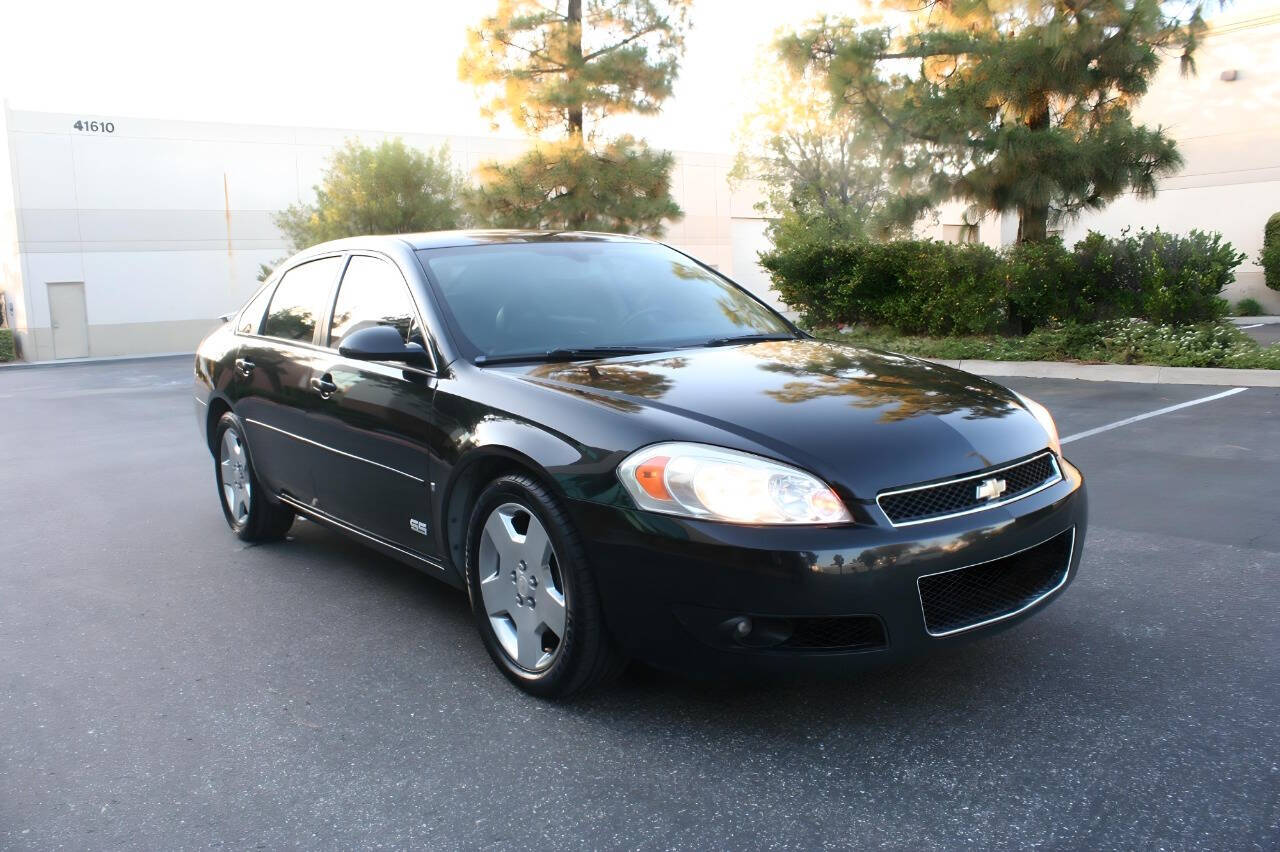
point(324, 386)
point(244, 367)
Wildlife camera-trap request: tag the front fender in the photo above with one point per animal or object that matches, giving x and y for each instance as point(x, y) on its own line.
point(506, 436)
point(571, 470)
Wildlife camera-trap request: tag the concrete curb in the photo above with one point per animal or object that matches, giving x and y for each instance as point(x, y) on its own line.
point(1137, 373)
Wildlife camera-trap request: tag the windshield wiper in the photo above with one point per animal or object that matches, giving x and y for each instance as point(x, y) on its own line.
point(580, 354)
point(746, 338)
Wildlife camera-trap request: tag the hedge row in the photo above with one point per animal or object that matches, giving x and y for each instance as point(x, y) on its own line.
point(929, 287)
point(7, 352)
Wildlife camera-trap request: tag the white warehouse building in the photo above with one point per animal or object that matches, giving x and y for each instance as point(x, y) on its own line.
point(132, 236)
point(123, 236)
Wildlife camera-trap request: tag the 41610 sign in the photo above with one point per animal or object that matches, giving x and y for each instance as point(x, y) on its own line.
point(86, 126)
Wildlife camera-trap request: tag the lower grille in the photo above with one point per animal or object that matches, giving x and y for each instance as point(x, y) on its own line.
point(848, 633)
point(979, 594)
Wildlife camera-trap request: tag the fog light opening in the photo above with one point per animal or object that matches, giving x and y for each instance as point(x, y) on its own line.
point(756, 632)
point(737, 628)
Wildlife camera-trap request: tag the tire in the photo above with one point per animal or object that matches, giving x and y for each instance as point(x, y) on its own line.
point(552, 652)
point(249, 510)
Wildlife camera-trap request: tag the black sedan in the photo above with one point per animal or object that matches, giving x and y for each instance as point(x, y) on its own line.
point(620, 453)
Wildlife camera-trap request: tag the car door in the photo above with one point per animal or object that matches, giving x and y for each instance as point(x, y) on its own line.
point(275, 367)
point(378, 415)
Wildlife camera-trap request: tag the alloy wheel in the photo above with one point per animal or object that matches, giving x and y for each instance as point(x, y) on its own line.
point(521, 587)
point(235, 476)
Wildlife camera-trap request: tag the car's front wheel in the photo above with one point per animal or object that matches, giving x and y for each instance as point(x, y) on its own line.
point(249, 511)
point(533, 595)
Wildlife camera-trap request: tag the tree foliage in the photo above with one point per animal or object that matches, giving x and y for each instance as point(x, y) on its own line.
point(388, 189)
point(564, 185)
point(561, 67)
point(1270, 257)
point(557, 71)
point(821, 169)
point(1021, 105)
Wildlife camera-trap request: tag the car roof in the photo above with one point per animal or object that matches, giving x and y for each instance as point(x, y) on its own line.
point(452, 239)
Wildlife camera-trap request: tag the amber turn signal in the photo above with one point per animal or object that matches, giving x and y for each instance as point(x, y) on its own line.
point(650, 477)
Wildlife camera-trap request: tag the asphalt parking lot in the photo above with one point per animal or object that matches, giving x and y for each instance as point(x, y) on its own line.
point(166, 686)
point(1266, 333)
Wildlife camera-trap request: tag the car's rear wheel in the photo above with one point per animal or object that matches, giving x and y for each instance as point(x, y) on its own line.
point(249, 511)
point(532, 592)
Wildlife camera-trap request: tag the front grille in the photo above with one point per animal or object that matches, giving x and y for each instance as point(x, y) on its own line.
point(847, 633)
point(957, 496)
point(967, 597)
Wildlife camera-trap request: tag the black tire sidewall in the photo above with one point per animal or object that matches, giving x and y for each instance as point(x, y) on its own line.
point(229, 422)
point(257, 523)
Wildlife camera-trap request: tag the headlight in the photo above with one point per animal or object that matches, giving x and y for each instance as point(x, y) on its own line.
point(1045, 419)
point(699, 481)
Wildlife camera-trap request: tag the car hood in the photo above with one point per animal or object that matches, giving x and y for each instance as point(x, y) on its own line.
point(863, 419)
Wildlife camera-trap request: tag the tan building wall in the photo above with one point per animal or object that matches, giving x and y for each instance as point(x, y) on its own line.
point(166, 222)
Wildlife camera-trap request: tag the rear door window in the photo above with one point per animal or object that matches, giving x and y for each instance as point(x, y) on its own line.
point(373, 293)
point(299, 300)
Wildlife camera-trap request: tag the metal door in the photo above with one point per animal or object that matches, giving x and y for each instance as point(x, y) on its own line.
point(69, 320)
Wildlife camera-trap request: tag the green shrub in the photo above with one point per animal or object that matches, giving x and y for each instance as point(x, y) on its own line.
point(7, 352)
point(1127, 341)
point(1270, 257)
point(945, 288)
point(1248, 308)
point(813, 275)
point(913, 285)
point(1043, 283)
point(1162, 277)
point(924, 286)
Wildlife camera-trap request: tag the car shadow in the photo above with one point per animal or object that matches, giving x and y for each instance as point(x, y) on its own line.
point(967, 679)
point(324, 549)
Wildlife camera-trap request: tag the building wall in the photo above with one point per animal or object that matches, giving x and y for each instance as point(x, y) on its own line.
point(166, 222)
point(1228, 133)
point(13, 307)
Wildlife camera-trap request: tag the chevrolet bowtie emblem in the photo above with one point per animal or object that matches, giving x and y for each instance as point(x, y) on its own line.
point(990, 489)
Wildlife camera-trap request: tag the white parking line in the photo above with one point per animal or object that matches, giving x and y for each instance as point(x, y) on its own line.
point(1255, 325)
point(1149, 414)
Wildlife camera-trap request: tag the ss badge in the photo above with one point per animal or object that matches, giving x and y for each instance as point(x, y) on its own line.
point(420, 527)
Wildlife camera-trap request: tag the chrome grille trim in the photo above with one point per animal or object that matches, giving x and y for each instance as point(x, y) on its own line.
point(985, 474)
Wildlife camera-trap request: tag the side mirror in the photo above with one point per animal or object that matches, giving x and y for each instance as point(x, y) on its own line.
point(382, 343)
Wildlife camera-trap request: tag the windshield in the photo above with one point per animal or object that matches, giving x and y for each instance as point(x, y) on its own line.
point(512, 299)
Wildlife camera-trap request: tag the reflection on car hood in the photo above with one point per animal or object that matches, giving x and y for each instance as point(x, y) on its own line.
point(870, 420)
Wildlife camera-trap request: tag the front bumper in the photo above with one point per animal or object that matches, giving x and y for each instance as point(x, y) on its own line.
point(670, 586)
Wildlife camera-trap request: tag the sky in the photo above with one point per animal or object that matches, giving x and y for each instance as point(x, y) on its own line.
point(367, 65)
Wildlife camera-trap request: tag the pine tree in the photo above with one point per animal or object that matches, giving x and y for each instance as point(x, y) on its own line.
point(1022, 105)
point(557, 71)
